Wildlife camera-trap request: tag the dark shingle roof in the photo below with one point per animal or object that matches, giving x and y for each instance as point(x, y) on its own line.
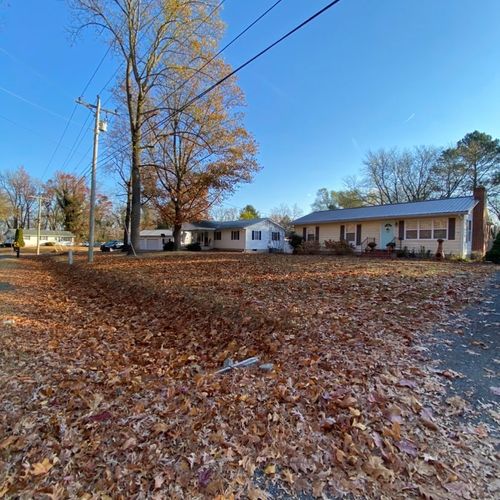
point(412, 209)
point(218, 225)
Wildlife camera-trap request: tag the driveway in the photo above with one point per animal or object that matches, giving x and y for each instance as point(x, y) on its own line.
point(469, 361)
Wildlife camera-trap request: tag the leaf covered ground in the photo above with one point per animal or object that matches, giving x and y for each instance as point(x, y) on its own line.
point(107, 385)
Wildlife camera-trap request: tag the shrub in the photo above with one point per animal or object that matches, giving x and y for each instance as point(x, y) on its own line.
point(493, 255)
point(50, 244)
point(403, 252)
point(308, 248)
point(169, 246)
point(19, 238)
point(295, 241)
point(339, 247)
point(476, 256)
point(194, 247)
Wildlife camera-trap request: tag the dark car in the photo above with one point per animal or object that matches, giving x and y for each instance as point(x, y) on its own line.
point(111, 246)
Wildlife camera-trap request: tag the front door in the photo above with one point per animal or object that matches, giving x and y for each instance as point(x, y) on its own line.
point(387, 233)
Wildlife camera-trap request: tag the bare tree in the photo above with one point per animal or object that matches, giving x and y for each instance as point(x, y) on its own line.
point(224, 214)
point(145, 35)
point(395, 176)
point(19, 189)
point(284, 215)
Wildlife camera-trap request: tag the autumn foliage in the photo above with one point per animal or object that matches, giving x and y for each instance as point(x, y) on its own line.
point(107, 383)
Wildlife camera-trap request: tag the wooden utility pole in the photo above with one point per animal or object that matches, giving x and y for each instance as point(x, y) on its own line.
point(38, 197)
point(100, 126)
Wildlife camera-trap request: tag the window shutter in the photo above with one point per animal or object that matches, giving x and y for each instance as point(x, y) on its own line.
point(401, 227)
point(304, 233)
point(358, 234)
point(317, 233)
point(342, 232)
point(451, 228)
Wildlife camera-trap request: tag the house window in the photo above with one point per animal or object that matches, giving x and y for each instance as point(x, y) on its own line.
point(469, 230)
point(350, 232)
point(235, 235)
point(256, 235)
point(310, 237)
point(425, 230)
point(275, 236)
point(44, 238)
point(217, 236)
point(411, 230)
point(65, 238)
point(440, 229)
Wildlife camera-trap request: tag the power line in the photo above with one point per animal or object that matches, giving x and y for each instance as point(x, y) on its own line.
point(239, 35)
point(89, 81)
point(205, 19)
point(77, 142)
point(239, 68)
point(218, 6)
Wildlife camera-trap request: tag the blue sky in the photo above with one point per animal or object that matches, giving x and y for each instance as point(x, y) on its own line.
point(365, 75)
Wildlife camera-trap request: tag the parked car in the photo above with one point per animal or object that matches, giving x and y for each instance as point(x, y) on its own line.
point(111, 246)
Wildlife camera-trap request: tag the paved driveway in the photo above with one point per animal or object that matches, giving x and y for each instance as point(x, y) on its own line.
point(469, 361)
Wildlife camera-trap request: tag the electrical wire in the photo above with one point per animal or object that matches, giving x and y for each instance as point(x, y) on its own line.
point(61, 138)
point(235, 71)
point(239, 68)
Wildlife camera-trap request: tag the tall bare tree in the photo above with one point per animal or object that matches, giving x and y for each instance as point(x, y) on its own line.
point(145, 33)
point(18, 189)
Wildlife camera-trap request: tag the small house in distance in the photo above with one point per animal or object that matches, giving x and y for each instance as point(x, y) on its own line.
point(460, 222)
point(245, 235)
point(66, 238)
point(154, 239)
point(254, 235)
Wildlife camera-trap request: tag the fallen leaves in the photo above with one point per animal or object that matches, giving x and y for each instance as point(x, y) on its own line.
point(111, 372)
point(42, 467)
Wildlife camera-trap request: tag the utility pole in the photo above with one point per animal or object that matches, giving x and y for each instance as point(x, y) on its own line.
point(38, 197)
point(100, 126)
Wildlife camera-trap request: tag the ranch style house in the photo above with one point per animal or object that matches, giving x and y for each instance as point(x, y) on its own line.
point(246, 235)
point(460, 222)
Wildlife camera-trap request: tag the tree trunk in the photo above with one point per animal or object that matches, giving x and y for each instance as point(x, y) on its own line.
point(126, 231)
point(135, 179)
point(177, 236)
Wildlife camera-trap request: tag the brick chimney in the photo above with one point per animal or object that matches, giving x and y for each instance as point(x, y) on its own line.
point(479, 221)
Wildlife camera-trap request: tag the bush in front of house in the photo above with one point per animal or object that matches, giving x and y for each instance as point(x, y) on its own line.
point(169, 246)
point(194, 247)
point(295, 241)
point(493, 255)
point(341, 247)
point(308, 248)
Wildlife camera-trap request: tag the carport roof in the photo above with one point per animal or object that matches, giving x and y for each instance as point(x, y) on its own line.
point(448, 206)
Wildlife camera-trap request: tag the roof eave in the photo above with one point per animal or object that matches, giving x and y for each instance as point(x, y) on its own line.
point(386, 217)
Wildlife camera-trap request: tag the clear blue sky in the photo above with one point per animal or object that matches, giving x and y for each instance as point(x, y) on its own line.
point(365, 75)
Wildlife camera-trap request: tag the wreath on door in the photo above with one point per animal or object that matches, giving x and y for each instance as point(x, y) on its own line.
point(388, 227)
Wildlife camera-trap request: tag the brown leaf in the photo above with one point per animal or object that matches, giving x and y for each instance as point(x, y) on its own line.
point(42, 467)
